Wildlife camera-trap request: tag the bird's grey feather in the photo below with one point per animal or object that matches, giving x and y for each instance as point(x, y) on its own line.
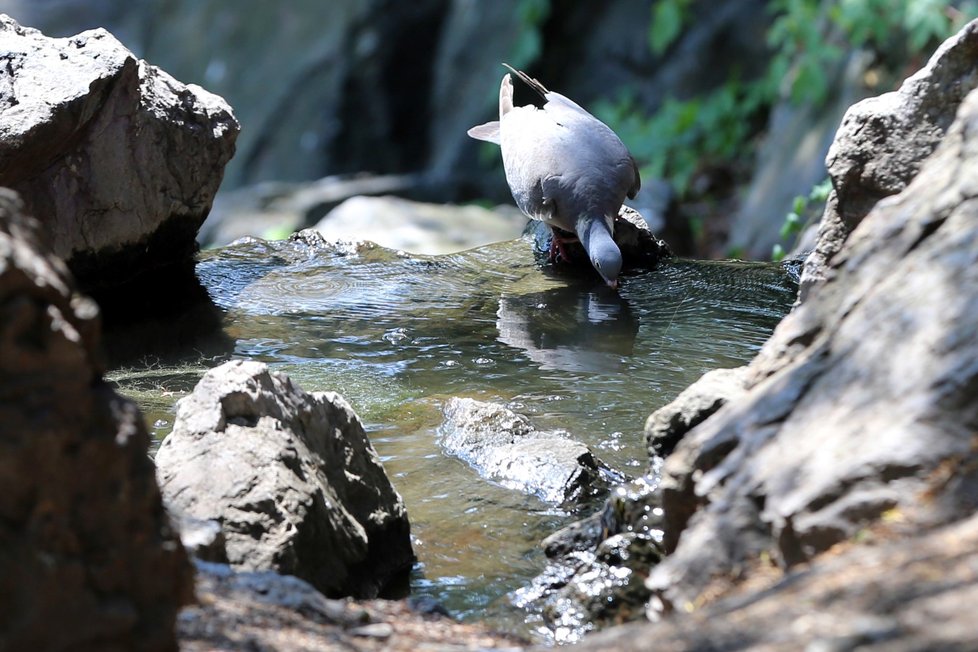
point(562, 164)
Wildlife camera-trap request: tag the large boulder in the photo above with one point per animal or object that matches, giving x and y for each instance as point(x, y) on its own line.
point(860, 405)
point(88, 560)
point(292, 479)
point(118, 160)
point(883, 141)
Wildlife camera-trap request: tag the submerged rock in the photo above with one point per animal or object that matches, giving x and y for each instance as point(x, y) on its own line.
point(118, 160)
point(88, 558)
point(504, 446)
point(292, 479)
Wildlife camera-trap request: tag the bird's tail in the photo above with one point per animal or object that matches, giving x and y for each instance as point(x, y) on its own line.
point(529, 81)
point(505, 96)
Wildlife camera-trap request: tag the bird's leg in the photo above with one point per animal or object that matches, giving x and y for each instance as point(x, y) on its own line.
point(557, 242)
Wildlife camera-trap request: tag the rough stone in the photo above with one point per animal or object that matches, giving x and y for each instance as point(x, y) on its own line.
point(596, 569)
point(292, 479)
point(864, 393)
point(118, 160)
point(902, 590)
point(268, 611)
point(883, 141)
point(504, 446)
point(667, 425)
point(88, 559)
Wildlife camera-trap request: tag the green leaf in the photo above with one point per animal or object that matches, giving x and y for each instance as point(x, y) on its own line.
point(668, 17)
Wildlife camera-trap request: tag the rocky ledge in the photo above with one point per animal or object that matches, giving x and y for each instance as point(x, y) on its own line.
point(118, 160)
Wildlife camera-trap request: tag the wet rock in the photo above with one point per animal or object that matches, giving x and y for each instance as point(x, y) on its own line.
point(860, 401)
point(88, 559)
point(118, 160)
point(504, 446)
point(667, 425)
point(597, 567)
point(419, 227)
point(292, 479)
point(883, 141)
point(640, 249)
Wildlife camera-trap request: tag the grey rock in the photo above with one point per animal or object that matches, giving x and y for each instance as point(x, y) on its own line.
point(88, 558)
point(118, 160)
point(862, 394)
point(419, 227)
point(203, 539)
point(910, 590)
point(883, 141)
point(596, 570)
point(292, 479)
point(269, 588)
point(504, 446)
point(667, 425)
point(271, 209)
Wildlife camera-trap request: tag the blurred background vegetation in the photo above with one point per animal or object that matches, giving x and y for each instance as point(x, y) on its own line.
point(728, 107)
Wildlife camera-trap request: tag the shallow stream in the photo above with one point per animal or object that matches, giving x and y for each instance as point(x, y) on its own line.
point(398, 334)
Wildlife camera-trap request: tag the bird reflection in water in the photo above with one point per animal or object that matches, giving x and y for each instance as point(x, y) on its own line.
point(570, 328)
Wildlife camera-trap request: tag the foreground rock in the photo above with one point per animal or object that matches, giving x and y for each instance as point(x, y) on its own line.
point(268, 611)
point(505, 447)
point(118, 160)
point(900, 590)
point(87, 556)
point(860, 404)
point(883, 141)
point(292, 479)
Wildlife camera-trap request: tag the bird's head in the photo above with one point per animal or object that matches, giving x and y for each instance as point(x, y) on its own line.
point(595, 235)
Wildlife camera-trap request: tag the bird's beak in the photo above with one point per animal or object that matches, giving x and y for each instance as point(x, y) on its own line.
point(613, 284)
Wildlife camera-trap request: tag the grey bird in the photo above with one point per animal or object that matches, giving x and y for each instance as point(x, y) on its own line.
point(565, 168)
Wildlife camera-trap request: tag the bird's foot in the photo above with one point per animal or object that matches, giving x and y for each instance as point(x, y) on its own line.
point(557, 250)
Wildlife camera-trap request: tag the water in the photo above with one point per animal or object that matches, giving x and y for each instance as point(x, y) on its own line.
point(398, 334)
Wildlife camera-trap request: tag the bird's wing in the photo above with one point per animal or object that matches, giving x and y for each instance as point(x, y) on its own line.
point(636, 183)
point(529, 81)
point(488, 132)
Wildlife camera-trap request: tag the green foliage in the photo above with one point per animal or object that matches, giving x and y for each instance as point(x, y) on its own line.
point(668, 19)
point(532, 14)
point(794, 221)
point(807, 39)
